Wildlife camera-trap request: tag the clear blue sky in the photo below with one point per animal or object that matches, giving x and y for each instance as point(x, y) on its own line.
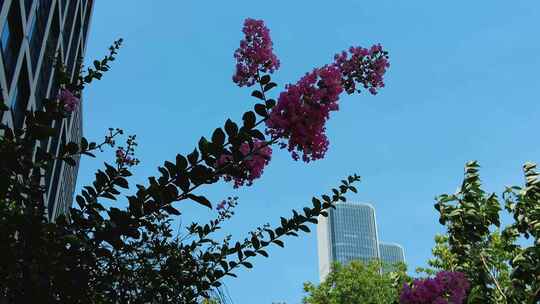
point(463, 85)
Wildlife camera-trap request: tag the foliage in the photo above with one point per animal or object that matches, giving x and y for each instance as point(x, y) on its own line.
point(114, 254)
point(357, 283)
point(499, 268)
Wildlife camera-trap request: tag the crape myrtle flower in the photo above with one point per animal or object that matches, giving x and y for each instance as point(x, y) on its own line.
point(68, 100)
point(300, 115)
point(255, 53)
point(250, 168)
point(446, 288)
point(361, 67)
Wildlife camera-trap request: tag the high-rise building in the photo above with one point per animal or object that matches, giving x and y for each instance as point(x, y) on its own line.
point(391, 253)
point(350, 233)
point(34, 34)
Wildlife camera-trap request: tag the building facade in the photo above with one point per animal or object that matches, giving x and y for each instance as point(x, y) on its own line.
point(391, 253)
point(34, 34)
point(350, 233)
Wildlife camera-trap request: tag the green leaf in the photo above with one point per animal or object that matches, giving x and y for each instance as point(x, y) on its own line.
point(181, 162)
point(72, 148)
point(261, 110)
point(269, 86)
point(257, 134)
point(108, 195)
point(171, 210)
point(80, 201)
point(203, 145)
point(200, 199)
point(193, 157)
point(249, 119)
point(84, 143)
point(263, 253)
point(304, 228)
point(279, 243)
point(265, 79)
point(121, 182)
point(257, 94)
point(255, 242)
point(270, 103)
point(218, 137)
point(231, 128)
point(182, 181)
point(316, 203)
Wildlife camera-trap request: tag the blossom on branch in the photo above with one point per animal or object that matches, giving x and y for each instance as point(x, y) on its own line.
point(302, 110)
point(255, 53)
point(446, 288)
point(69, 100)
point(362, 67)
point(250, 168)
point(300, 116)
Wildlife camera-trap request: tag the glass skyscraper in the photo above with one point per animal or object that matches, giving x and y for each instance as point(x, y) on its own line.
point(350, 233)
point(391, 253)
point(34, 34)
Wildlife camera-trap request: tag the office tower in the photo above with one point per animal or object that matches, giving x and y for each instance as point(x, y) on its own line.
point(391, 253)
point(348, 233)
point(35, 33)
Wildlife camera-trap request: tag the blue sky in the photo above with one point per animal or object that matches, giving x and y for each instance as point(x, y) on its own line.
point(462, 86)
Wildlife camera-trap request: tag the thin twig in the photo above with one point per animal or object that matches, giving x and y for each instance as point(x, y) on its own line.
point(492, 277)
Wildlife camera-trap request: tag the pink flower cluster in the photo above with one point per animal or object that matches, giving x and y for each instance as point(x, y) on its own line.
point(251, 167)
point(255, 53)
point(221, 205)
point(365, 67)
point(446, 288)
point(122, 158)
point(69, 100)
point(302, 110)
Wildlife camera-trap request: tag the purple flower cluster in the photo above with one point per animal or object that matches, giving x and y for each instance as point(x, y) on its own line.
point(302, 110)
point(123, 158)
point(255, 53)
point(253, 165)
point(446, 288)
point(298, 120)
point(365, 67)
point(68, 99)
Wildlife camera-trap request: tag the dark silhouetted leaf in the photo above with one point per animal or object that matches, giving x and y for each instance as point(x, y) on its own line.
point(200, 199)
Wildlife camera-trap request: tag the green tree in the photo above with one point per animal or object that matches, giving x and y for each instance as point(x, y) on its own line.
point(498, 268)
point(357, 283)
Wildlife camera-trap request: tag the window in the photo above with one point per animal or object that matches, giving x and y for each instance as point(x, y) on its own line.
point(47, 63)
point(68, 22)
point(87, 13)
point(20, 97)
point(28, 6)
point(74, 50)
point(11, 39)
